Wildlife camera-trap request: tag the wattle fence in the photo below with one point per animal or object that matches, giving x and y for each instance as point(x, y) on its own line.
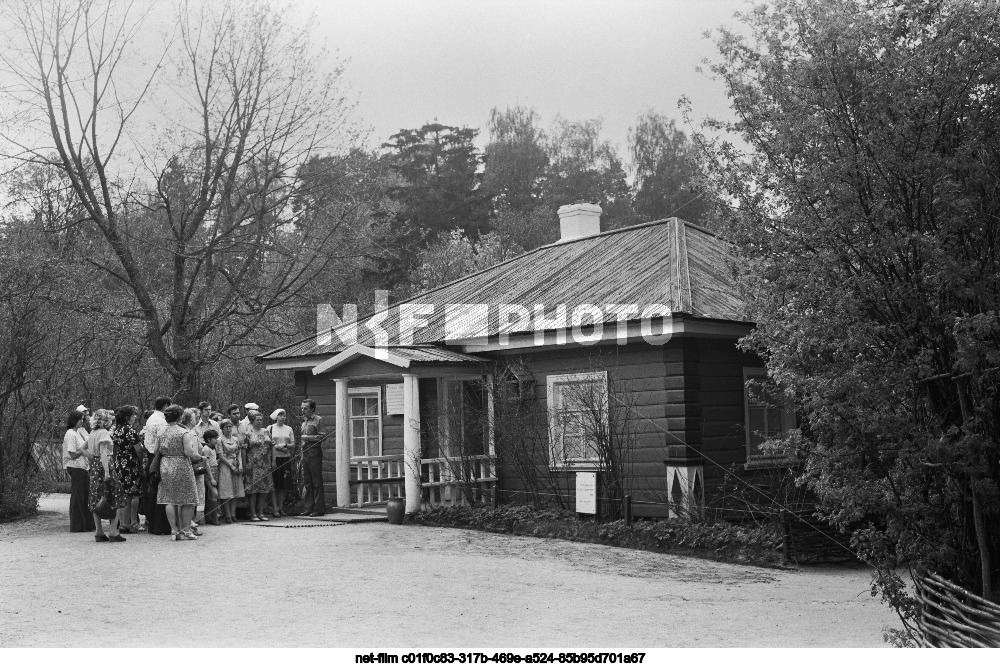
point(952, 617)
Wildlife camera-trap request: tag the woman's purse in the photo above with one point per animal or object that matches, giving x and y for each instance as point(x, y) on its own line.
point(104, 508)
point(153, 471)
point(200, 468)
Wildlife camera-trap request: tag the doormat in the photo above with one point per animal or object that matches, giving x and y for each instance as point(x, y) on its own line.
point(326, 524)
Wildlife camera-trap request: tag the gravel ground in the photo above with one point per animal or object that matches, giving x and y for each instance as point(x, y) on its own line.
point(377, 585)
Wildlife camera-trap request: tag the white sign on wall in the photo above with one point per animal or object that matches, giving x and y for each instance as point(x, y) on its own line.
point(394, 399)
point(586, 492)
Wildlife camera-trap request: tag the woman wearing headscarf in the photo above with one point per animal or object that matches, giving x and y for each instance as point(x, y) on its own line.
point(258, 478)
point(104, 484)
point(76, 461)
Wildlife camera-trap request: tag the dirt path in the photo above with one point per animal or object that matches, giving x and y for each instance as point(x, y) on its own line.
point(376, 585)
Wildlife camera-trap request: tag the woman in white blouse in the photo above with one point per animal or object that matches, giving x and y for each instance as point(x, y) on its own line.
point(76, 461)
point(284, 444)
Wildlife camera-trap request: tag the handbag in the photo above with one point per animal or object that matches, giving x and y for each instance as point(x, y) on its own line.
point(153, 471)
point(200, 468)
point(104, 508)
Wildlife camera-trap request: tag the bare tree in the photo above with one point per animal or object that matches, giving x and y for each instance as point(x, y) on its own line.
point(208, 223)
point(600, 417)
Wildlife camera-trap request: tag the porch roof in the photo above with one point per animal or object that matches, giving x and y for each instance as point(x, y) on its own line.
point(403, 356)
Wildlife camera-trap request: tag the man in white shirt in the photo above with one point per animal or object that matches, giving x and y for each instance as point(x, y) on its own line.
point(205, 424)
point(155, 425)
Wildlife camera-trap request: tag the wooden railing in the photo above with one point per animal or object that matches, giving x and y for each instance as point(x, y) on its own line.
point(457, 480)
point(375, 479)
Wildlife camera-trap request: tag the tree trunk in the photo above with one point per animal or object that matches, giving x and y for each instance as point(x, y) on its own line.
point(984, 545)
point(185, 385)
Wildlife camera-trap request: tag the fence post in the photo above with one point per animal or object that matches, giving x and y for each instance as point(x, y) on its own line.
point(786, 539)
point(628, 510)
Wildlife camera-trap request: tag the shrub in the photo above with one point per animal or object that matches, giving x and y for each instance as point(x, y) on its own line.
point(18, 496)
point(732, 542)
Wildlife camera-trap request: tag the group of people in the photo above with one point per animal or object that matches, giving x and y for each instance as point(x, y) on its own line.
point(182, 458)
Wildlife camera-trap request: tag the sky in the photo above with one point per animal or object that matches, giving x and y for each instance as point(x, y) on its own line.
point(414, 62)
point(410, 62)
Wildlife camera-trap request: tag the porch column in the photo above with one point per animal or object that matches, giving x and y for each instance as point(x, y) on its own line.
point(343, 435)
point(411, 441)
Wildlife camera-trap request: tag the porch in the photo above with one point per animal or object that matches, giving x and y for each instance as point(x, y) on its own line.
point(413, 422)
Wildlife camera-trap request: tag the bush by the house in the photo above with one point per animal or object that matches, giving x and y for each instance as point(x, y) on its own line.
point(731, 542)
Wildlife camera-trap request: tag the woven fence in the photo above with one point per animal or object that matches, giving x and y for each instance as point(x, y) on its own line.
point(807, 539)
point(952, 617)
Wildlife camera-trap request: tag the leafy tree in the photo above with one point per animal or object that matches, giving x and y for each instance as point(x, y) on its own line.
point(455, 256)
point(866, 226)
point(583, 167)
point(664, 162)
point(347, 194)
point(438, 184)
point(516, 159)
point(521, 230)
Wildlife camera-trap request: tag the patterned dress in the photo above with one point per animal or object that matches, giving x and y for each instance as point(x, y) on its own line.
point(177, 486)
point(99, 442)
point(258, 478)
point(230, 485)
point(127, 467)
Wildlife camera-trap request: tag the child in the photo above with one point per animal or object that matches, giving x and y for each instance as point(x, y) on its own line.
point(211, 476)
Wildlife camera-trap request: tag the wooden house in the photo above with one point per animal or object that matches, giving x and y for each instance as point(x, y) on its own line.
point(645, 318)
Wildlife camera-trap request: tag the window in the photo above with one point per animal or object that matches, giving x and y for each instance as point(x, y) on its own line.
point(578, 418)
point(766, 415)
point(366, 421)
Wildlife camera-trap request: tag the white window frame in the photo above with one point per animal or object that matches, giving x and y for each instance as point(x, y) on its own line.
point(553, 398)
point(363, 392)
point(787, 419)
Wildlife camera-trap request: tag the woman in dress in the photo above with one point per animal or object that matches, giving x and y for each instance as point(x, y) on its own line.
point(258, 479)
point(103, 481)
point(230, 470)
point(178, 450)
point(129, 455)
point(76, 461)
point(283, 439)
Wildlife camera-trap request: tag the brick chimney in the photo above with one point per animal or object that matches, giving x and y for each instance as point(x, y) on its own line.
point(579, 220)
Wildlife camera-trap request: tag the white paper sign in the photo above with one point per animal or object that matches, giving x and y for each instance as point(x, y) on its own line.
point(586, 492)
point(394, 399)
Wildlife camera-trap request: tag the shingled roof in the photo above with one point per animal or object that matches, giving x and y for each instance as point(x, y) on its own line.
point(669, 262)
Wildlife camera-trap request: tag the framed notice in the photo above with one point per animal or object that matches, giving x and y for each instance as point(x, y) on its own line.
point(586, 492)
point(394, 399)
